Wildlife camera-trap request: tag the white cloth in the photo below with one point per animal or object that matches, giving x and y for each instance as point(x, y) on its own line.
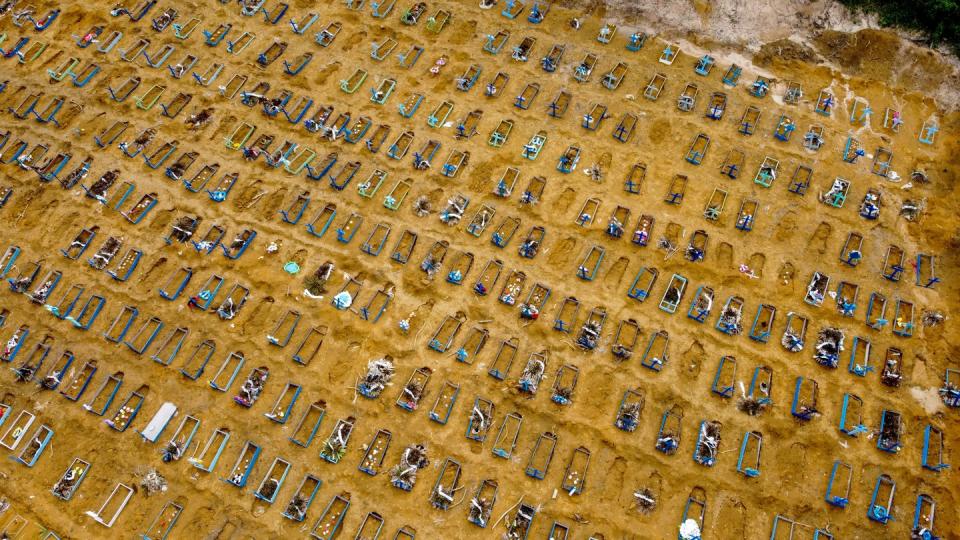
point(689, 530)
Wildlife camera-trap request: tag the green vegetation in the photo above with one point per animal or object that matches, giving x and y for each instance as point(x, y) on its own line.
point(939, 20)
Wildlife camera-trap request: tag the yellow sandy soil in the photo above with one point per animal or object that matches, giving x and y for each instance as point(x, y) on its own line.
point(794, 236)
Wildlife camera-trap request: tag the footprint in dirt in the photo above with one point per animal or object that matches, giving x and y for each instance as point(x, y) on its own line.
point(563, 202)
point(818, 240)
point(673, 233)
point(249, 196)
point(483, 180)
point(225, 124)
point(273, 202)
point(440, 86)
point(353, 40)
point(15, 95)
point(152, 274)
point(659, 131)
point(725, 256)
point(921, 369)
point(24, 202)
point(324, 73)
point(562, 252)
point(435, 197)
point(463, 33)
point(756, 262)
point(615, 274)
point(614, 475)
point(203, 517)
point(786, 273)
point(159, 221)
point(418, 316)
point(692, 360)
point(733, 516)
point(227, 532)
point(786, 226)
point(795, 461)
point(255, 316)
point(476, 448)
point(63, 227)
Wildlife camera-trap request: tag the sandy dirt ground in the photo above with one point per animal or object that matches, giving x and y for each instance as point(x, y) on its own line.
point(792, 237)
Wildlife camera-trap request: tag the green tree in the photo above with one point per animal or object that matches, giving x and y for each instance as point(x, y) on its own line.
point(938, 20)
